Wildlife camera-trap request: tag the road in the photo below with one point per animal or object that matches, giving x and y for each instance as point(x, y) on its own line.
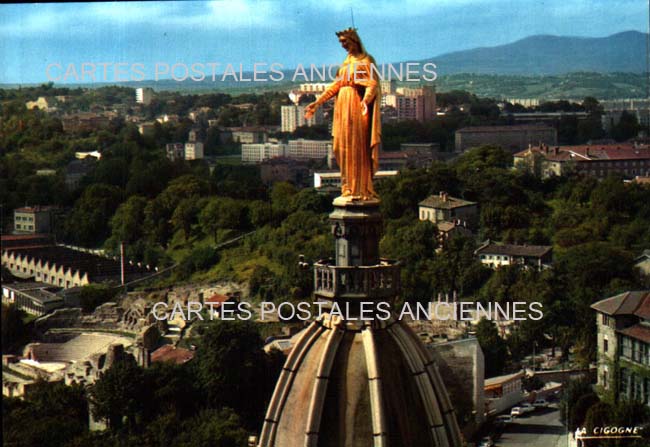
point(541, 428)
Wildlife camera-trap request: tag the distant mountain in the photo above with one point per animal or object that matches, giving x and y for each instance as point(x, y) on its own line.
point(544, 54)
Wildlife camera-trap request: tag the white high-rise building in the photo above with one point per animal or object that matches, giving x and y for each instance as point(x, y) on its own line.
point(302, 149)
point(294, 117)
point(143, 95)
point(258, 152)
point(194, 150)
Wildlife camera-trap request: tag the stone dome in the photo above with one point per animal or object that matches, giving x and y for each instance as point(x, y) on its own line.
point(359, 384)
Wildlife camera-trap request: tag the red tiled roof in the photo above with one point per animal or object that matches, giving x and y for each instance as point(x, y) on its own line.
point(169, 353)
point(586, 153)
point(217, 299)
point(638, 331)
point(20, 237)
point(628, 303)
point(503, 128)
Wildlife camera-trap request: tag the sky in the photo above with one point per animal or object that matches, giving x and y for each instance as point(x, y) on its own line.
point(143, 35)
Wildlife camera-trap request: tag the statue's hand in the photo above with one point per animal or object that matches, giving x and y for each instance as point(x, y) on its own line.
point(310, 109)
point(364, 108)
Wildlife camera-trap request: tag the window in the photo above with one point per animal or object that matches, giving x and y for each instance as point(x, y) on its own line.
point(605, 344)
point(624, 381)
point(627, 348)
point(605, 378)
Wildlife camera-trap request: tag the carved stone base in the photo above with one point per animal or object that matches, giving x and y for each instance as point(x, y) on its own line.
point(356, 226)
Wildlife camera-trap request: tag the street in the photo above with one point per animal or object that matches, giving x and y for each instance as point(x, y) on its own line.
point(541, 428)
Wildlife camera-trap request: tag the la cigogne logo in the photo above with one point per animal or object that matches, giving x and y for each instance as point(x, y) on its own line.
point(609, 432)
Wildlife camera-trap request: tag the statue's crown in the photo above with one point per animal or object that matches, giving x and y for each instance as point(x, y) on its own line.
point(347, 32)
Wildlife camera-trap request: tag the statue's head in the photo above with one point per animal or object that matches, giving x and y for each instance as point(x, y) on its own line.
point(350, 40)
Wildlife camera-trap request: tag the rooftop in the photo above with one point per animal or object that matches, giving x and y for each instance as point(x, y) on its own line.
point(504, 128)
point(627, 303)
point(514, 250)
point(586, 153)
point(34, 209)
point(94, 265)
point(638, 331)
point(169, 353)
point(445, 201)
point(499, 380)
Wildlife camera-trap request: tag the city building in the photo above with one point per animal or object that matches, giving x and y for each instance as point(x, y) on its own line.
point(415, 104)
point(442, 207)
point(83, 154)
point(66, 267)
point(548, 118)
point(41, 103)
point(175, 151)
point(194, 150)
point(258, 152)
point(332, 180)
point(314, 87)
point(623, 325)
point(77, 170)
point(447, 230)
point(503, 392)
point(146, 128)
point(462, 367)
point(410, 155)
point(614, 108)
point(302, 149)
point(245, 135)
point(143, 95)
point(85, 121)
point(282, 169)
point(495, 255)
point(293, 117)
point(642, 262)
point(510, 138)
point(598, 160)
point(32, 297)
point(34, 219)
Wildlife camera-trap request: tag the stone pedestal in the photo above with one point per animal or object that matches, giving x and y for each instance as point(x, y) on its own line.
point(356, 226)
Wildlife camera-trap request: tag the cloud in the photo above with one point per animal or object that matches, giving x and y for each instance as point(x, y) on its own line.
point(30, 20)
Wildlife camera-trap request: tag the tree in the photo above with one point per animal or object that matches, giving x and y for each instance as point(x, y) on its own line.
point(50, 415)
point(120, 396)
point(128, 221)
point(627, 127)
point(231, 368)
point(88, 223)
point(14, 329)
point(93, 295)
point(184, 216)
point(223, 213)
point(493, 346)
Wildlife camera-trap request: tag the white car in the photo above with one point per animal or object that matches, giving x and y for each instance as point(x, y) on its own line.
point(516, 411)
point(540, 403)
point(527, 408)
point(486, 442)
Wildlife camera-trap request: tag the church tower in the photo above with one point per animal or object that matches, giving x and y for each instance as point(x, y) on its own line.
point(354, 383)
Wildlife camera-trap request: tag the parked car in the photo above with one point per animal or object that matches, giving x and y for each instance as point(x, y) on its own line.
point(540, 403)
point(527, 408)
point(503, 419)
point(516, 411)
point(486, 442)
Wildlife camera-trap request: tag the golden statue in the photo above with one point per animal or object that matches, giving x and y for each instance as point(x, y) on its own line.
point(357, 121)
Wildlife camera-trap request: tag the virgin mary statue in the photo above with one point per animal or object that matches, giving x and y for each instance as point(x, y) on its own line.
point(356, 127)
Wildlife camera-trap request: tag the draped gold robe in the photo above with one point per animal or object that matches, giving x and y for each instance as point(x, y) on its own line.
point(356, 136)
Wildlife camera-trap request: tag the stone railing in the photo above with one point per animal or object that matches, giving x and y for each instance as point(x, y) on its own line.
point(372, 282)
